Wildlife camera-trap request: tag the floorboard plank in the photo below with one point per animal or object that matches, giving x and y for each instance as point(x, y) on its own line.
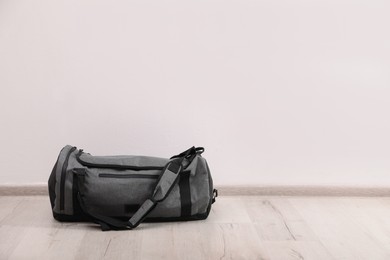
point(275, 219)
point(239, 227)
point(333, 222)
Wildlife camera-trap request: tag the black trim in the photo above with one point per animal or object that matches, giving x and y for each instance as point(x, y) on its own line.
point(63, 177)
point(130, 175)
point(185, 193)
point(187, 218)
point(71, 218)
point(52, 185)
point(116, 166)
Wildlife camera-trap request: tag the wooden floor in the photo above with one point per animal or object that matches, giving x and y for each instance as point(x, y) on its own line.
point(251, 227)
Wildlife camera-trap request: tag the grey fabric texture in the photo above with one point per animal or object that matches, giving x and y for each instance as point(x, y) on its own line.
point(121, 192)
point(130, 160)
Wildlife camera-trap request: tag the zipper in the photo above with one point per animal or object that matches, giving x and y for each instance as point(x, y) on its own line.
point(116, 166)
point(130, 175)
point(63, 176)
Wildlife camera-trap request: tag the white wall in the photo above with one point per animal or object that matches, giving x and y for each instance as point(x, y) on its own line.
point(278, 91)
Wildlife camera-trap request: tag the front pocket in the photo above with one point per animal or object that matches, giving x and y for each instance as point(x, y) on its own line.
point(130, 175)
point(115, 193)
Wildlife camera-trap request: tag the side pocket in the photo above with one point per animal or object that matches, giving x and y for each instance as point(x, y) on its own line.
point(78, 213)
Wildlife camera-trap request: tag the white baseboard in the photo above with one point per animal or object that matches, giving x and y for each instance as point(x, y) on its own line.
point(23, 190)
point(266, 190)
point(305, 190)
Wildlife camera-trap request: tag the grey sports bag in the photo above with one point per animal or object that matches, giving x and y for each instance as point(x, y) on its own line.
point(119, 192)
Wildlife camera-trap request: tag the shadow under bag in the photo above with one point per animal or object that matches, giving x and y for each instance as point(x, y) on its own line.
point(119, 192)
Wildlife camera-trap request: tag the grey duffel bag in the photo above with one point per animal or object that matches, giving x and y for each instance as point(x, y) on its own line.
point(119, 192)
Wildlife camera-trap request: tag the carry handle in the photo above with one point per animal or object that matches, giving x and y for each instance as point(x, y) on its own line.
point(190, 152)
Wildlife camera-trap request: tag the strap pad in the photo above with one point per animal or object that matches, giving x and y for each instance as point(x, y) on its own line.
point(145, 208)
point(165, 184)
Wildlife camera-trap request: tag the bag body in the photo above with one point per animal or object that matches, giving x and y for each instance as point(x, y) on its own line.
point(106, 189)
